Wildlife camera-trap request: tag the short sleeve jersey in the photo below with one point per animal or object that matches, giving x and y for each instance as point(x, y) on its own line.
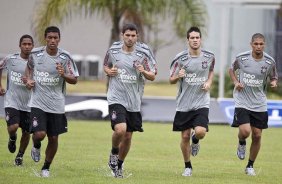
point(253, 75)
point(190, 95)
point(127, 87)
point(17, 95)
point(49, 90)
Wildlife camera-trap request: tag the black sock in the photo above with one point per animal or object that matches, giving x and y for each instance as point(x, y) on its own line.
point(120, 162)
point(37, 145)
point(114, 151)
point(188, 165)
point(250, 163)
point(46, 165)
point(20, 154)
point(242, 142)
point(194, 139)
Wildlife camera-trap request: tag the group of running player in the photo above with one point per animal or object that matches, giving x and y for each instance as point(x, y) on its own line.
point(34, 99)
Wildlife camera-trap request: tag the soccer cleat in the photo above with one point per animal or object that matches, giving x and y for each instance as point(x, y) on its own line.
point(187, 172)
point(119, 173)
point(195, 147)
point(45, 173)
point(113, 162)
point(35, 154)
point(241, 151)
point(12, 145)
point(250, 171)
point(18, 161)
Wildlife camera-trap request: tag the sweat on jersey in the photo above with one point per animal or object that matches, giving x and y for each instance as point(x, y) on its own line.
point(17, 95)
point(48, 94)
point(253, 75)
point(127, 87)
point(190, 95)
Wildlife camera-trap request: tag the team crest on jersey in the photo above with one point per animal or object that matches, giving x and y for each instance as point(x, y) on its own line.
point(204, 65)
point(114, 115)
point(263, 69)
point(7, 116)
point(34, 122)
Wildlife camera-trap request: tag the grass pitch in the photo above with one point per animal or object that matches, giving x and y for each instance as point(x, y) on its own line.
point(154, 158)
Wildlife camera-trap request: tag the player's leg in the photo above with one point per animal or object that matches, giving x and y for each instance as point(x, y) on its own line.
point(186, 149)
point(13, 120)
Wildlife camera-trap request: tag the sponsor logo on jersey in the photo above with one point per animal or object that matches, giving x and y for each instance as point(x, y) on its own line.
point(125, 77)
point(263, 69)
point(63, 56)
point(204, 64)
point(44, 78)
point(207, 55)
point(250, 80)
point(139, 54)
point(268, 62)
point(39, 54)
point(16, 78)
point(193, 79)
point(115, 51)
point(244, 58)
point(184, 58)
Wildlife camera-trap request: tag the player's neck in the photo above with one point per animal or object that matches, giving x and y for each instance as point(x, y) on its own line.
point(257, 57)
point(194, 52)
point(127, 49)
point(24, 56)
point(52, 52)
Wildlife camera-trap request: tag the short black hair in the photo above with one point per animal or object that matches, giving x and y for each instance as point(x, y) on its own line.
point(129, 26)
point(195, 29)
point(257, 35)
point(53, 29)
point(25, 36)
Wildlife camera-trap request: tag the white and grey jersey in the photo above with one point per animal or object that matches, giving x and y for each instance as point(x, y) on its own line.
point(17, 95)
point(49, 91)
point(127, 87)
point(190, 95)
point(143, 48)
point(253, 75)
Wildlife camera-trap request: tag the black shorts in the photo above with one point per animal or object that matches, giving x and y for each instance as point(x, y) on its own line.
point(256, 119)
point(51, 123)
point(118, 114)
point(14, 116)
point(191, 119)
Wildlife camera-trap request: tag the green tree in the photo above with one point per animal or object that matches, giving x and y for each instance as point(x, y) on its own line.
point(184, 13)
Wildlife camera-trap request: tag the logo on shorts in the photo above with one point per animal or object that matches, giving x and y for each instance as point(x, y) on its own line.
point(7, 116)
point(34, 122)
point(114, 115)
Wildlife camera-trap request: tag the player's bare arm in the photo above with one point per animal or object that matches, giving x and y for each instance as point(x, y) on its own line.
point(207, 85)
point(111, 71)
point(237, 84)
point(173, 79)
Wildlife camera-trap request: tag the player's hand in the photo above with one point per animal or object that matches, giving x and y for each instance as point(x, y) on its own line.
point(2, 91)
point(273, 84)
point(206, 86)
point(239, 86)
point(60, 69)
point(30, 84)
point(140, 68)
point(181, 73)
point(113, 71)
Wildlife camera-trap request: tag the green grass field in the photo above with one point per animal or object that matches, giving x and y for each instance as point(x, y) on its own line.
point(154, 158)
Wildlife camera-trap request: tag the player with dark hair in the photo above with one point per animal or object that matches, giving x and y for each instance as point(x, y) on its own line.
point(193, 70)
point(125, 66)
point(249, 73)
point(16, 97)
point(48, 70)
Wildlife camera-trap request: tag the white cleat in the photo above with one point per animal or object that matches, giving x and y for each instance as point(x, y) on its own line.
point(45, 173)
point(250, 171)
point(187, 172)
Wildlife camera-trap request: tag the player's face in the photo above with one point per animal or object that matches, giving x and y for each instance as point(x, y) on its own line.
point(194, 40)
point(258, 46)
point(26, 46)
point(129, 38)
point(52, 40)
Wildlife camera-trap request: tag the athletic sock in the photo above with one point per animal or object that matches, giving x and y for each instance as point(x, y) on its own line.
point(13, 137)
point(37, 145)
point(46, 165)
point(120, 162)
point(195, 140)
point(188, 164)
point(242, 142)
point(250, 163)
point(114, 151)
point(20, 154)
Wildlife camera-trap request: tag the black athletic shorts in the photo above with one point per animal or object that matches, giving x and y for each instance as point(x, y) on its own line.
point(256, 119)
point(118, 114)
point(191, 119)
point(51, 123)
point(14, 116)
